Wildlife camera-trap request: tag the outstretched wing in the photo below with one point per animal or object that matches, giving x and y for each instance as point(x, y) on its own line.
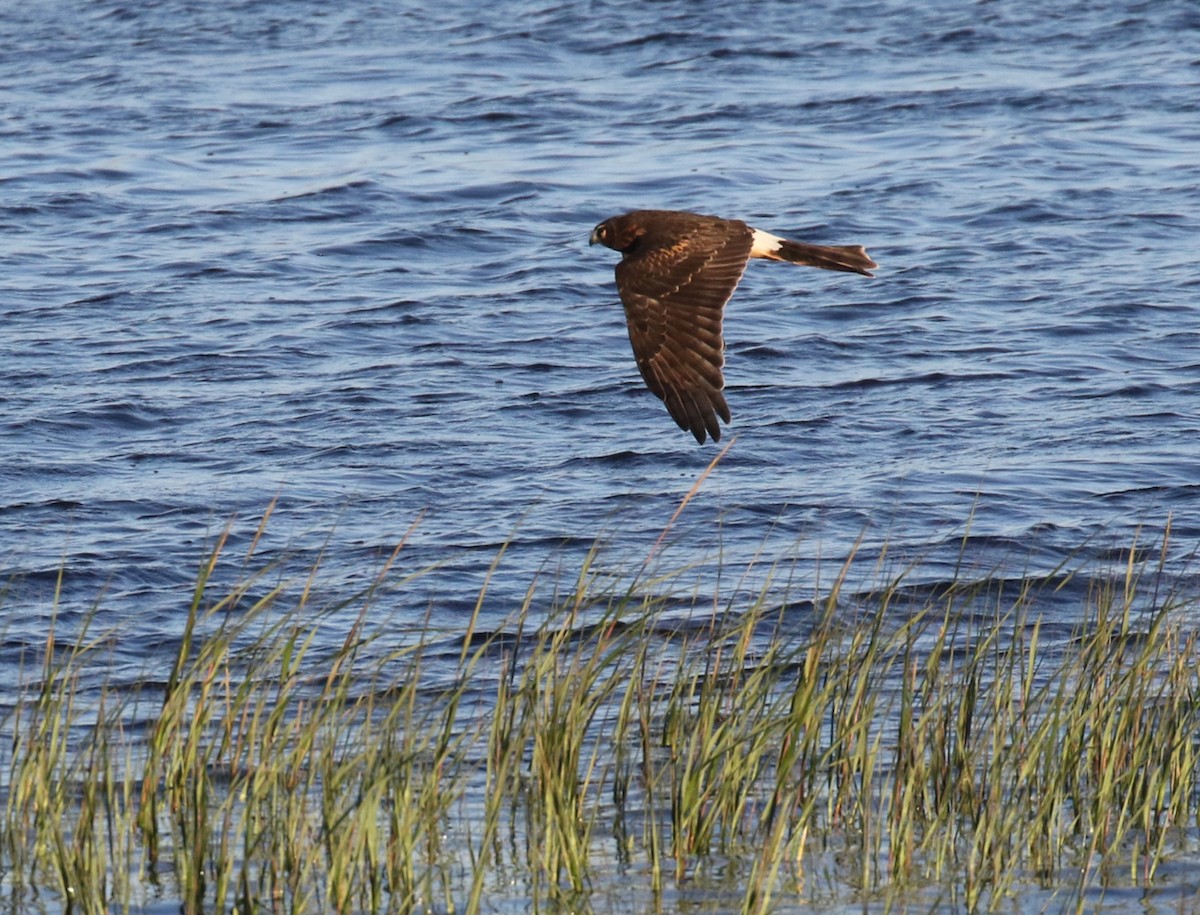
point(674, 284)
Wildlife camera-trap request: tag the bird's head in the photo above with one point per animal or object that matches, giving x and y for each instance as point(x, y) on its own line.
point(618, 233)
point(602, 234)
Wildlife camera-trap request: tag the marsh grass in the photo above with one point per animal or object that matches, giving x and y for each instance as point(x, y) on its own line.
point(886, 746)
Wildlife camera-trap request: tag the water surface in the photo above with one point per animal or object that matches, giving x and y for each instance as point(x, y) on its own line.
point(338, 257)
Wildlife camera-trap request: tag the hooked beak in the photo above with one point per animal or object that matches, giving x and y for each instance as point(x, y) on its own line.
point(593, 239)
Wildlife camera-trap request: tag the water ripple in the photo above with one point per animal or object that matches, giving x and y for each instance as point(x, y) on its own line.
point(339, 258)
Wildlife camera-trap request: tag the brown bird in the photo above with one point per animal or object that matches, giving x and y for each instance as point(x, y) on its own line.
point(676, 273)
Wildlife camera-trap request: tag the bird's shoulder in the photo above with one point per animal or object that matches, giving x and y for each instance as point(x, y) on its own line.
point(675, 233)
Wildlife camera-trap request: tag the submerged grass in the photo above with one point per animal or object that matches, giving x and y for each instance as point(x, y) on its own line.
point(881, 748)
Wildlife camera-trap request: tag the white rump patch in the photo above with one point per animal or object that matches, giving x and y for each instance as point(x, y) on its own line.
point(765, 244)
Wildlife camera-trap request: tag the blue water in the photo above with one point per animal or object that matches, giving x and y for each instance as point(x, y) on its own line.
point(336, 255)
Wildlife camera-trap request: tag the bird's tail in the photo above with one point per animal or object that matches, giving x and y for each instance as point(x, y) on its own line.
point(847, 258)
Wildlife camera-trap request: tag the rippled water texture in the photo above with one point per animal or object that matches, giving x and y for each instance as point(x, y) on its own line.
point(338, 254)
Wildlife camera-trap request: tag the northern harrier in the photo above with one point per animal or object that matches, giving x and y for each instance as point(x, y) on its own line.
point(676, 273)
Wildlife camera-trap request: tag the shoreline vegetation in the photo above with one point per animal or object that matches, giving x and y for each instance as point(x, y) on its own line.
point(907, 750)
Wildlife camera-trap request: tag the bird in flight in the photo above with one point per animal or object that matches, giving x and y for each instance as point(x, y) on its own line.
point(676, 273)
